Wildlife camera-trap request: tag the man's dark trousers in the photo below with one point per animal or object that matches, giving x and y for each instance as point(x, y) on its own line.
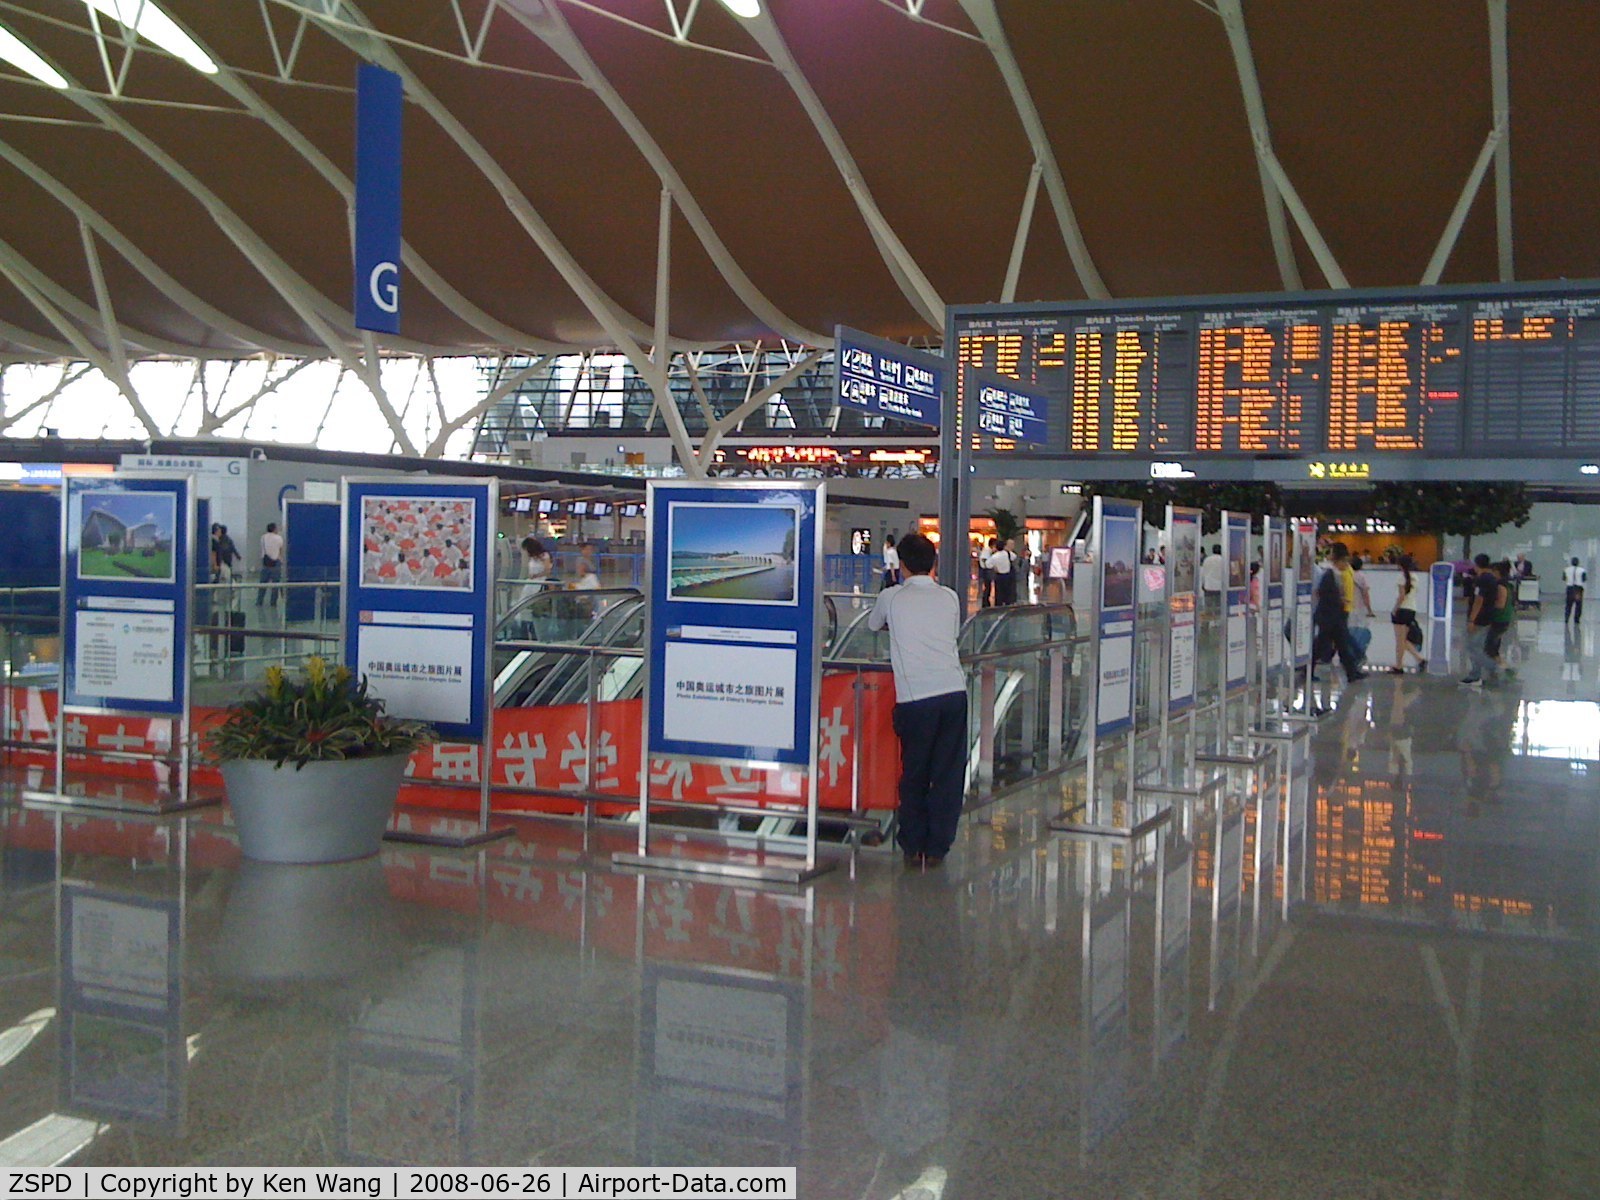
point(933, 771)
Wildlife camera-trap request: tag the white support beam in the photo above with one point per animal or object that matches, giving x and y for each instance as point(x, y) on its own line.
point(503, 387)
point(269, 384)
point(1019, 244)
point(1255, 109)
point(663, 337)
point(71, 372)
point(369, 369)
point(48, 348)
point(908, 275)
point(714, 435)
point(309, 305)
point(102, 299)
point(1302, 218)
point(234, 85)
point(1500, 78)
point(164, 283)
point(1458, 216)
point(986, 17)
point(22, 275)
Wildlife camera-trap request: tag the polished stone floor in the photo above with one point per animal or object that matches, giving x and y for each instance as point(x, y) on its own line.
point(1374, 977)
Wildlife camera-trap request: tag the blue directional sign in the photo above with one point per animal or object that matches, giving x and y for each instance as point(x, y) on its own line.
point(380, 100)
point(887, 379)
point(1006, 408)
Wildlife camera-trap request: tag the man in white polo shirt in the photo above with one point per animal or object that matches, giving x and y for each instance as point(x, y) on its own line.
point(930, 714)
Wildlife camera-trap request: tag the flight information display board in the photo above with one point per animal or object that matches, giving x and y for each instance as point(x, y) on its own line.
point(1447, 373)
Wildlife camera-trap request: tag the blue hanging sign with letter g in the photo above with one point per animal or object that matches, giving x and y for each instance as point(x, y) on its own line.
point(379, 100)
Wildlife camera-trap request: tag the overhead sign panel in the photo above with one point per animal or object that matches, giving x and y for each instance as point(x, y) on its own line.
point(887, 379)
point(1006, 409)
point(380, 99)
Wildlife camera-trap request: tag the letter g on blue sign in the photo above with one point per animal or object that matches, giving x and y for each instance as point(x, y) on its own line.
point(380, 98)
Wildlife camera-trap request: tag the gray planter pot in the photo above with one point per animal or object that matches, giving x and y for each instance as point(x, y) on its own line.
point(323, 812)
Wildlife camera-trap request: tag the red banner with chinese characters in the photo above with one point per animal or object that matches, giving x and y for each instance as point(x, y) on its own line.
point(545, 748)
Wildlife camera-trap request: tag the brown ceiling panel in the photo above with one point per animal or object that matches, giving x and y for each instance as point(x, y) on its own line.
point(1555, 129)
point(752, 159)
point(926, 115)
point(1141, 103)
point(1377, 111)
point(161, 219)
point(1378, 132)
point(575, 167)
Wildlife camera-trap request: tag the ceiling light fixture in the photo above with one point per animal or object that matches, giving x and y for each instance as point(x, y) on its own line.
point(150, 23)
point(748, 9)
point(20, 55)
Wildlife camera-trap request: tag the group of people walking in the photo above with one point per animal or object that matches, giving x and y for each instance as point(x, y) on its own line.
point(226, 561)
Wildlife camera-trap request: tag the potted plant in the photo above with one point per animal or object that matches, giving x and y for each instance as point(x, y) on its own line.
point(312, 766)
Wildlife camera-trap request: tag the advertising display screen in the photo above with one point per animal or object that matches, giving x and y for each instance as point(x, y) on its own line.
point(1435, 373)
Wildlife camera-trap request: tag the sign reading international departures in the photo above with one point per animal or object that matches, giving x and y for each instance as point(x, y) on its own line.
point(886, 379)
point(1436, 373)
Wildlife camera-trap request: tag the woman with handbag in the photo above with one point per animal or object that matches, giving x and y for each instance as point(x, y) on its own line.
point(1403, 620)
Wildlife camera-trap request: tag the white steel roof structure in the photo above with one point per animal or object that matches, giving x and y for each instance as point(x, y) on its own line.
point(664, 176)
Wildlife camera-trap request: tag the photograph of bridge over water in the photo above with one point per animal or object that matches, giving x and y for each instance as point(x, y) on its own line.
point(733, 553)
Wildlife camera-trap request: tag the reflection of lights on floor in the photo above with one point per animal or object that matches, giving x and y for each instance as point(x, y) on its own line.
point(1567, 729)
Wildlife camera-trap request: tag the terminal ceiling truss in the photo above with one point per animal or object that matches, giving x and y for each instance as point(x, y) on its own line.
point(663, 179)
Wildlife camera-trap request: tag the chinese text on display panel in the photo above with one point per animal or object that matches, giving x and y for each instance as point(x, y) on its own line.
point(1516, 374)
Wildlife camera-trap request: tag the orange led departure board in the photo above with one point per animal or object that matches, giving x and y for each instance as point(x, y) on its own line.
point(1487, 372)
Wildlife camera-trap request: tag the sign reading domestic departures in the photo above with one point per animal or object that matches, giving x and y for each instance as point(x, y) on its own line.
point(1437, 373)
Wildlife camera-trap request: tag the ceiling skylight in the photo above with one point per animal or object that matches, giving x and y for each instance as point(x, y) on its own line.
point(147, 20)
point(17, 52)
point(748, 9)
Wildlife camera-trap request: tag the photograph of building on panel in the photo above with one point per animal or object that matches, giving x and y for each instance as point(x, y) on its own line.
point(127, 536)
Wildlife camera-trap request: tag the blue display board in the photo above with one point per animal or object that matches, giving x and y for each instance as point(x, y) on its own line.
point(1275, 552)
point(1117, 531)
point(1441, 579)
point(1236, 562)
point(125, 575)
point(1006, 408)
point(418, 619)
point(311, 547)
point(1305, 567)
point(1183, 594)
point(380, 103)
point(887, 379)
point(734, 608)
